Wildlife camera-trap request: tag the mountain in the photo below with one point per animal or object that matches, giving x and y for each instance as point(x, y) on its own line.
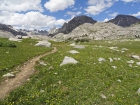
point(75, 22)
point(101, 31)
point(9, 28)
point(124, 20)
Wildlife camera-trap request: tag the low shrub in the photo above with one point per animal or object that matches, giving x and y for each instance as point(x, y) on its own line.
point(81, 40)
point(1, 44)
point(8, 44)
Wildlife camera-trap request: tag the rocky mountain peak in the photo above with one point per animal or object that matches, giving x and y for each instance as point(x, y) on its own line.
point(124, 20)
point(75, 22)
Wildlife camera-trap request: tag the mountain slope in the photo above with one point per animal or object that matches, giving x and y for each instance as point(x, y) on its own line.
point(124, 20)
point(100, 31)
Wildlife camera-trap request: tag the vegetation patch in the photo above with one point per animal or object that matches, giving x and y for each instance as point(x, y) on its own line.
point(8, 44)
point(109, 82)
point(11, 56)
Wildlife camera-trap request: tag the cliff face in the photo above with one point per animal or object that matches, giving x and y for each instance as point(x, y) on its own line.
point(124, 20)
point(75, 22)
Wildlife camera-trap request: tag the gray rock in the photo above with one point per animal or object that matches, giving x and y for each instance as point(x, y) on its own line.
point(138, 91)
point(136, 57)
point(114, 67)
point(73, 52)
point(101, 60)
point(9, 75)
point(43, 43)
point(79, 46)
point(110, 59)
point(68, 60)
point(130, 62)
point(42, 63)
point(15, 39)
point(138, 63)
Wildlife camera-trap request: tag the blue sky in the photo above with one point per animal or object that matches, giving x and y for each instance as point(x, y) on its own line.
point(45, 14)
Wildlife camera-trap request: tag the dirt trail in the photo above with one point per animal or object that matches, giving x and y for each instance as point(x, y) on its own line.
point(26, 71)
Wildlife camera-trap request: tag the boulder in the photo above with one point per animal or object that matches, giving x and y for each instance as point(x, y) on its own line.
point(136, 57)
point(68, 60)
point(138, 63)
point(15, 39)
point(73, 52)
point(130, 62)
point(79, 46)
point(18, 37)
point(43, 43)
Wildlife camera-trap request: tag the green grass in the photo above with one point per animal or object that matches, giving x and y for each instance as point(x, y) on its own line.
point(13, 56)
point(83, 83)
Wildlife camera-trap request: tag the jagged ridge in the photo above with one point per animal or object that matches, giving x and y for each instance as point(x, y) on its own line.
point(8, 28)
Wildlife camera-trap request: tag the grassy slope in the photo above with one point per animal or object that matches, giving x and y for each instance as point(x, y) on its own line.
point(10, 57)
point(83, 84)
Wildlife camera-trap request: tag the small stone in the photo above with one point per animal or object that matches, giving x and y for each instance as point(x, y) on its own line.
point(130, 62)
point(42, 63)
point(42, 91)
point(101, 60)
point(130, 65)
point(138, 63)
point(9, 75)
point(79, 46)
point(73, 52)
point(117, 59)
point(55, 73)
point(73, 44)
point(51, 67)
point(103, 96)
point(138, 91)
point(119, 80)
point(124, 49)
point(59, 82)
point(115, 67)
point(110, 59)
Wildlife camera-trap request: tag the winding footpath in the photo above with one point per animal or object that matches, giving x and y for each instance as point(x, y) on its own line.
point(26, 71)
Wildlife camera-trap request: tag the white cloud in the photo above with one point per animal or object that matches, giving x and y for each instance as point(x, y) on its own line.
point(114, 14)
point(131, 1)
point(20, 5)
point(60, 22)
point(97, 6)
point(137, 14)
point(56, 5)
point(73, 13)
point(29, 20)
point(106, 20)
